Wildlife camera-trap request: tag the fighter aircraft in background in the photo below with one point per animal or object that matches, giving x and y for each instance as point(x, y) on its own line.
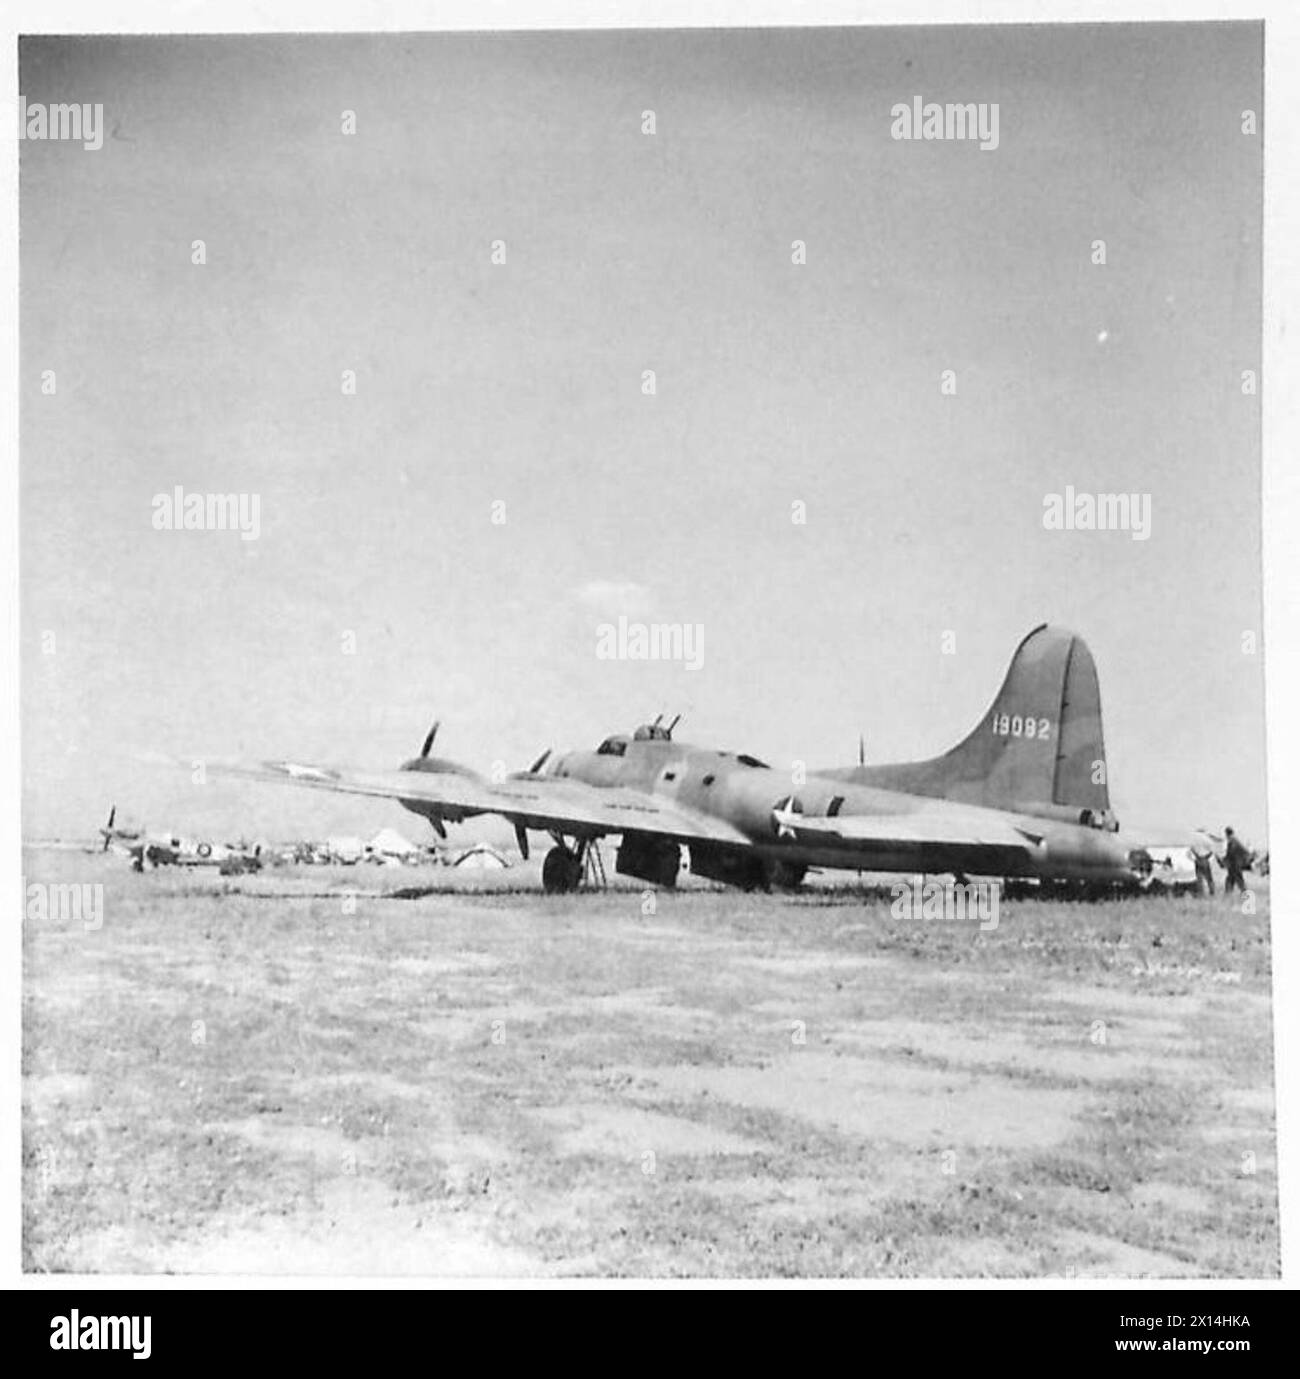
point(1024, 795)
point(154, 849)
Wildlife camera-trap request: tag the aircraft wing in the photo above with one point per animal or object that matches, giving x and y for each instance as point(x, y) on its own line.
point(539, 802)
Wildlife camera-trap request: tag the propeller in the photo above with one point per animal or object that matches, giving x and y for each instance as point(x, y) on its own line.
point(435, 819)
point(521, 833)
point(107, 830)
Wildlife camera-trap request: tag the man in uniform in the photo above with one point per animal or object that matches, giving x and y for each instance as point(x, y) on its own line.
point(1236, 861)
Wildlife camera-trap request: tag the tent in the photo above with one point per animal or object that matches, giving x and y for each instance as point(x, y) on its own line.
point(346, 850)
point(481, 857)
point(389, 845)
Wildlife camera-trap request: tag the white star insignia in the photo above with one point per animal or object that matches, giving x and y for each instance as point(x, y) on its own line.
point(297, 771)
point(784, 815)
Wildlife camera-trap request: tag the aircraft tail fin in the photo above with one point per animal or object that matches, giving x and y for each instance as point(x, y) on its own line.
point(1039, 744)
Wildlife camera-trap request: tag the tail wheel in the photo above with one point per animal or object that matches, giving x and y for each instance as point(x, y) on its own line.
point(561, 871)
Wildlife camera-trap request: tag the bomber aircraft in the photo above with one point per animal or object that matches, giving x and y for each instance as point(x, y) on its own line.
point(1024, 795)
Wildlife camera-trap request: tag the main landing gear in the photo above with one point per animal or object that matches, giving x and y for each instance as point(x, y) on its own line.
point(566, 867)
point(561, 870)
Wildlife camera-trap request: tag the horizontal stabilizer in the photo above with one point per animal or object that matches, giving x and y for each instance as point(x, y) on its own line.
point(921, 829)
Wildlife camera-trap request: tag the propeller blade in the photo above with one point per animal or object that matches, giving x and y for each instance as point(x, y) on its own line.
point(862, 750)
point(428, 741)
point(521, 837)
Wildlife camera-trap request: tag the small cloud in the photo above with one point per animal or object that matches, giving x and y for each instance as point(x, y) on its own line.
point(1103, 336)
point(613, 597)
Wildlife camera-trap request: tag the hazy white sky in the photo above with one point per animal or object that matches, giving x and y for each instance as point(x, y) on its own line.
point(522, 383)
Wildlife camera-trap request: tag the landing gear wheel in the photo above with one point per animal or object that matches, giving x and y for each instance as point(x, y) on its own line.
point(561, 871)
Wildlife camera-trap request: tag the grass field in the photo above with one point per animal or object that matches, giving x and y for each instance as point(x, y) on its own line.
point(268, 1074)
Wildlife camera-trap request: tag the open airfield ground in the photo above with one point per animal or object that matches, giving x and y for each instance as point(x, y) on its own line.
point(302, 1072)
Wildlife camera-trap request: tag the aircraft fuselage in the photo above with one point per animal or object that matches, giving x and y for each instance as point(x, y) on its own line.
point(759, 802)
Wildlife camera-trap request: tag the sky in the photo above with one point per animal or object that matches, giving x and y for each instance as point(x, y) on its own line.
point(380, 592)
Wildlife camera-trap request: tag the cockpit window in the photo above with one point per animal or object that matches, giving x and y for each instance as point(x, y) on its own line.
point(612, 747)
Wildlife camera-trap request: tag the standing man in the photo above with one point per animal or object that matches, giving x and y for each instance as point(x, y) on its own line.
point(1201, 858)
point(1236, 860)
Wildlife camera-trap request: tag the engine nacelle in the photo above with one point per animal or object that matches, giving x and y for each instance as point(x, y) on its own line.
point(649, 859)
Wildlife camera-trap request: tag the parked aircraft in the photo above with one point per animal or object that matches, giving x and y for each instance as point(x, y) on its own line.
point(171, 849)
point(1024, 795)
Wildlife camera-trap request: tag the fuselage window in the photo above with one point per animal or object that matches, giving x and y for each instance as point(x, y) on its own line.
point(709, 779)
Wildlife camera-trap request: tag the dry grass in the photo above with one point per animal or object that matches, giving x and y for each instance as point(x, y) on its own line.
point(738, 1085)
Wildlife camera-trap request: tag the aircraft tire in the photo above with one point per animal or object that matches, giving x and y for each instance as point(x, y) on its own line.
point(561, 871)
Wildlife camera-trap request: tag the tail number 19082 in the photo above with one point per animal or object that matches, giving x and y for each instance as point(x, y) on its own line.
point(1013, 725)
